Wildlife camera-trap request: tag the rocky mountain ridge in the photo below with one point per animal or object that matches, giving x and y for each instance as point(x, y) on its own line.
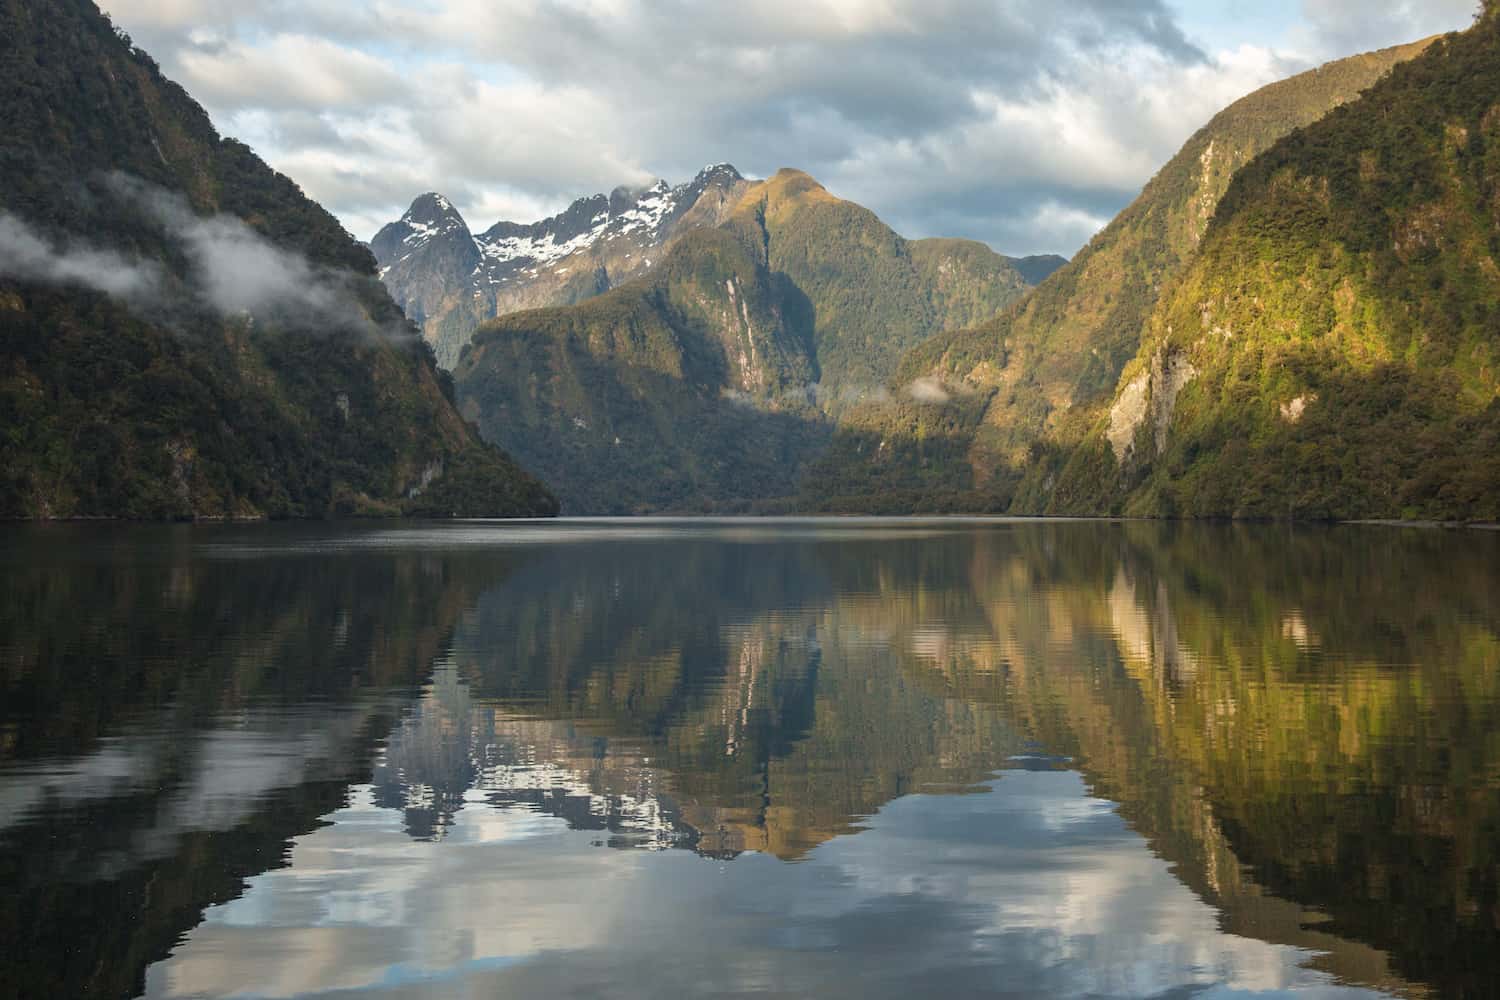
point(449, 279)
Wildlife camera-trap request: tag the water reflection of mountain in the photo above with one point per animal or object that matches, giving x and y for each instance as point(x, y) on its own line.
point(1294, 718)
point(168, 720)
point(1302, 722)
point(711, 696)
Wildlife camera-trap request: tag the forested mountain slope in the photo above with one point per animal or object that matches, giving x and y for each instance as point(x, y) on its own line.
point(1334, 348)
point(710, 382)
point(875, 295)
point(683, 390)
point(182, 332)
point(989, 396)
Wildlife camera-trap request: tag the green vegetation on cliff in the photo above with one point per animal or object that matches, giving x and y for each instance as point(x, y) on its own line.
point(708, 384)
point(1334, 348)
point(875, 295)
point(1041, 369)
point(686, 389)
point(149, 365)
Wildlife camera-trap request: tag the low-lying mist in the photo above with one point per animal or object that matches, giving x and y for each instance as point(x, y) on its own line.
point(232, 270)
point(26, 255)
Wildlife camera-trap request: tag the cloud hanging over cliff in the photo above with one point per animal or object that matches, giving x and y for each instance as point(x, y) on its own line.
point(1018, 123)
point(231, 269)
point(27, 255)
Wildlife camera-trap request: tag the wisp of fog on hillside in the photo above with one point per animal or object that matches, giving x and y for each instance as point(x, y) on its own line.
point(232, 269)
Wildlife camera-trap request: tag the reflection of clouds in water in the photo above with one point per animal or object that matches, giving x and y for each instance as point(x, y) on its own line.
point(1034, 889)
point(450, 754)
point(210, 780)
point(118, 767)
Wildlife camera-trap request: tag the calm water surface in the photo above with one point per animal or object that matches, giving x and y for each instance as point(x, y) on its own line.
point(838, 758)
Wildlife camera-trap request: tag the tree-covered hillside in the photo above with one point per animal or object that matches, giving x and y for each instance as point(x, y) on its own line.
point(1041, 369)
point(1334, 349)
point(710, 383)
point(684, 390)
point(875, 294)
point(182, 332)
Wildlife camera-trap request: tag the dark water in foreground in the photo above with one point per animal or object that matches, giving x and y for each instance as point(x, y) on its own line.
point(838, 758)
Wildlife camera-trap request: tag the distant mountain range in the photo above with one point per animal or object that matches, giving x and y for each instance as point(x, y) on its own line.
point(450, 280)
point(711, 380)
point(1297, 318)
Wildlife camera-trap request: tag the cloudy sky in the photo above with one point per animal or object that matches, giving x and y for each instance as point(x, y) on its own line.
point(1024, 123)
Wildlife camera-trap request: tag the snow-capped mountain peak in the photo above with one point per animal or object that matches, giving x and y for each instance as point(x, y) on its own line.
point(430, 218)
point(599, 240)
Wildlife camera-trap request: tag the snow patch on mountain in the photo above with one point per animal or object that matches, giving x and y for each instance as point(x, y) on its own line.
point(432, 261)
point(509, 249)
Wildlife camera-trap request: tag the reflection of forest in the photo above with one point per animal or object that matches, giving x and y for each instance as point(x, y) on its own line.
point(1302, 721)
point(1292, 717)
point(168, 722)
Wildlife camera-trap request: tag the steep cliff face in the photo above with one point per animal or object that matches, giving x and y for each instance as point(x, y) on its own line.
point(876, 295)
point(1044, 368)
point(686, 389)
point(182, 332)
point(1334, 348)
point(450, 280)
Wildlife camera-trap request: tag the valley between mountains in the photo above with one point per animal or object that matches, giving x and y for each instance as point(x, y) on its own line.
point(1299, 317)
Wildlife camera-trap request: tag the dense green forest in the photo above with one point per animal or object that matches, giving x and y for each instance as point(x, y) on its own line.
point(683, 390)
point(1336, 339)
point(135, 386)
point(1041, 369)
point(875, 295)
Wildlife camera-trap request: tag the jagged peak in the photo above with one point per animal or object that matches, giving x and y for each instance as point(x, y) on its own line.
point(431, 207)
point(718, 171)
point(646, 211)
point(430, 217)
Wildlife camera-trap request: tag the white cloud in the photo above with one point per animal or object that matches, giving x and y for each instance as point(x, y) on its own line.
point(1343, 26)
point(927, 390)
point(285, 71)
point(27, 255)
point(955, 117)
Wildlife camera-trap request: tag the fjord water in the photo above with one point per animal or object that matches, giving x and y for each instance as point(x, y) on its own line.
point(833, 758)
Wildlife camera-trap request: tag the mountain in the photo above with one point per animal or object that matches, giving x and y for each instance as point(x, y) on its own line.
point(1333, 350)
point(683, 390)
point(449, 280)
point(875, 294)
point(1039, 268)
point(182, 332)
point(1042, 368)
point(712, 381)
